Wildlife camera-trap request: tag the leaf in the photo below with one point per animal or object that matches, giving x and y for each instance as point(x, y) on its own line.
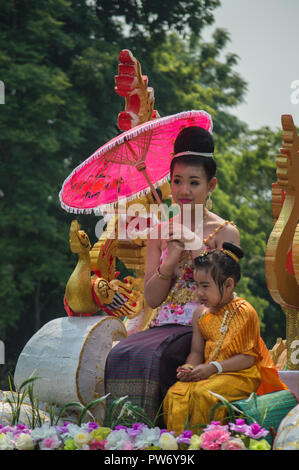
point(90, 405)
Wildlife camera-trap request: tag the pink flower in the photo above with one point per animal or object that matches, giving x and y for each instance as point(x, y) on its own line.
point(127, 446)
point(102, 444)
point(179, 311)
point(164, 315)
point(213, 425)
point(212, 440)
point(188, 274)
point(49, 443)
point(96, 445)
point(234, 443)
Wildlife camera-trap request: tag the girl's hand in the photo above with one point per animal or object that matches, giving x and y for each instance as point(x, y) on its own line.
point(201, 372)
point(183, 373)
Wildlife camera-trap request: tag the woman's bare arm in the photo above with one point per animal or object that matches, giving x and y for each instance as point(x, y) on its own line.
point(155, 289)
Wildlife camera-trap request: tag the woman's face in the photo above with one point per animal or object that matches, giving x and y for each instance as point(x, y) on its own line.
point(189, 184)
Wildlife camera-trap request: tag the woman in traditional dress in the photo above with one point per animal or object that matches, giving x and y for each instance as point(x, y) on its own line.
point(143, 365)
point(228, 356)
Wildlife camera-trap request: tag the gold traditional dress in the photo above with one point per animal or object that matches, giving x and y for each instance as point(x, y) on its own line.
point(191, 402)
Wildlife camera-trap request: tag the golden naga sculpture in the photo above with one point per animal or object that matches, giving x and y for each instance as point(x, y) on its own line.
point(93, 286)
point(282, 253)
point(85, 293)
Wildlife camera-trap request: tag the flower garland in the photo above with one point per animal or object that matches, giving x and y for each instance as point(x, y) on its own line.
point(91, 436)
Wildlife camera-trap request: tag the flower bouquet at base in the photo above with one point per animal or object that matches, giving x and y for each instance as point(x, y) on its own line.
point(139, 436)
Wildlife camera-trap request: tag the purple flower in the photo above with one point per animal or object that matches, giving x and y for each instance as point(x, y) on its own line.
point(185, 437)
point(92, 425)
point(215, 425)
point(139, 426)
point(64, 428)
point(22, 428)
point(255, 431)
point(162, 431)
point(239, 426)
point(7, 428)
point(120, 426)
point(136, 429)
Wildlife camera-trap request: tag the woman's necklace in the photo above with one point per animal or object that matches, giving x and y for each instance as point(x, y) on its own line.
point(178, 294)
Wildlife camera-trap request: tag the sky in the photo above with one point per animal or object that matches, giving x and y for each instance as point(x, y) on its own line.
point(265, 36)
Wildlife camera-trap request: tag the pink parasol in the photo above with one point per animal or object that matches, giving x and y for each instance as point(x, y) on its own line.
point(131, 164)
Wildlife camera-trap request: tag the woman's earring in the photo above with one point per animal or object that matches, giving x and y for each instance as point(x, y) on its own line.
point(209, 203)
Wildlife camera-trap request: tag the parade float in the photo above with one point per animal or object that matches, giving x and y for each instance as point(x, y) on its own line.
point(57, 400)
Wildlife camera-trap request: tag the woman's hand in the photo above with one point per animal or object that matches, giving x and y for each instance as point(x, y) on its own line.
point(179, 239)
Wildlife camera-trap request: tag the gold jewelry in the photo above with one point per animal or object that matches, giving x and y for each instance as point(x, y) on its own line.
point(178, 295)
point(209, 203)
point(205, 213)
point(232, 255)
point(190, 366)
point(162, 276)
point(205, 240)
point(224, 328)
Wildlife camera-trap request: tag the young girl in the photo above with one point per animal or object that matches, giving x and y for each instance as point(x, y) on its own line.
point(228, 355)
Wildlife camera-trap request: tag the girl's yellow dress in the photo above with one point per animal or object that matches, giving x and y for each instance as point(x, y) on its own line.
point(190, 402)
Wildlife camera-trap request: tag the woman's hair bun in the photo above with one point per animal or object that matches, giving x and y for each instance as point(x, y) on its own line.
point(235, 249)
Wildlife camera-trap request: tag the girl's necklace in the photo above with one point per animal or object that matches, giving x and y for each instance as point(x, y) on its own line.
point(228, 316)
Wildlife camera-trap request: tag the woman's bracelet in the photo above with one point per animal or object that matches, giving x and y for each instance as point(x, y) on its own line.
point(217, 365)
point(162, 276)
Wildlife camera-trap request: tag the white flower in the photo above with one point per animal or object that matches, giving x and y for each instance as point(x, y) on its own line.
point(84, 447)
point(73, 429)
point(147, 437)
point(44, 431)
point(6, 441)
point(168, 442)
point(24, 442)
point(116, 439)
point(81, 438)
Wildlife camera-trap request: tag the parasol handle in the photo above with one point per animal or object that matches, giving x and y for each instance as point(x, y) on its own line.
point(140, 166)
point(142, 169)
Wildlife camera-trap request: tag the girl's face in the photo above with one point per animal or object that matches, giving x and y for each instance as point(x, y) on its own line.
point(189, 184)
point(208, 291)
